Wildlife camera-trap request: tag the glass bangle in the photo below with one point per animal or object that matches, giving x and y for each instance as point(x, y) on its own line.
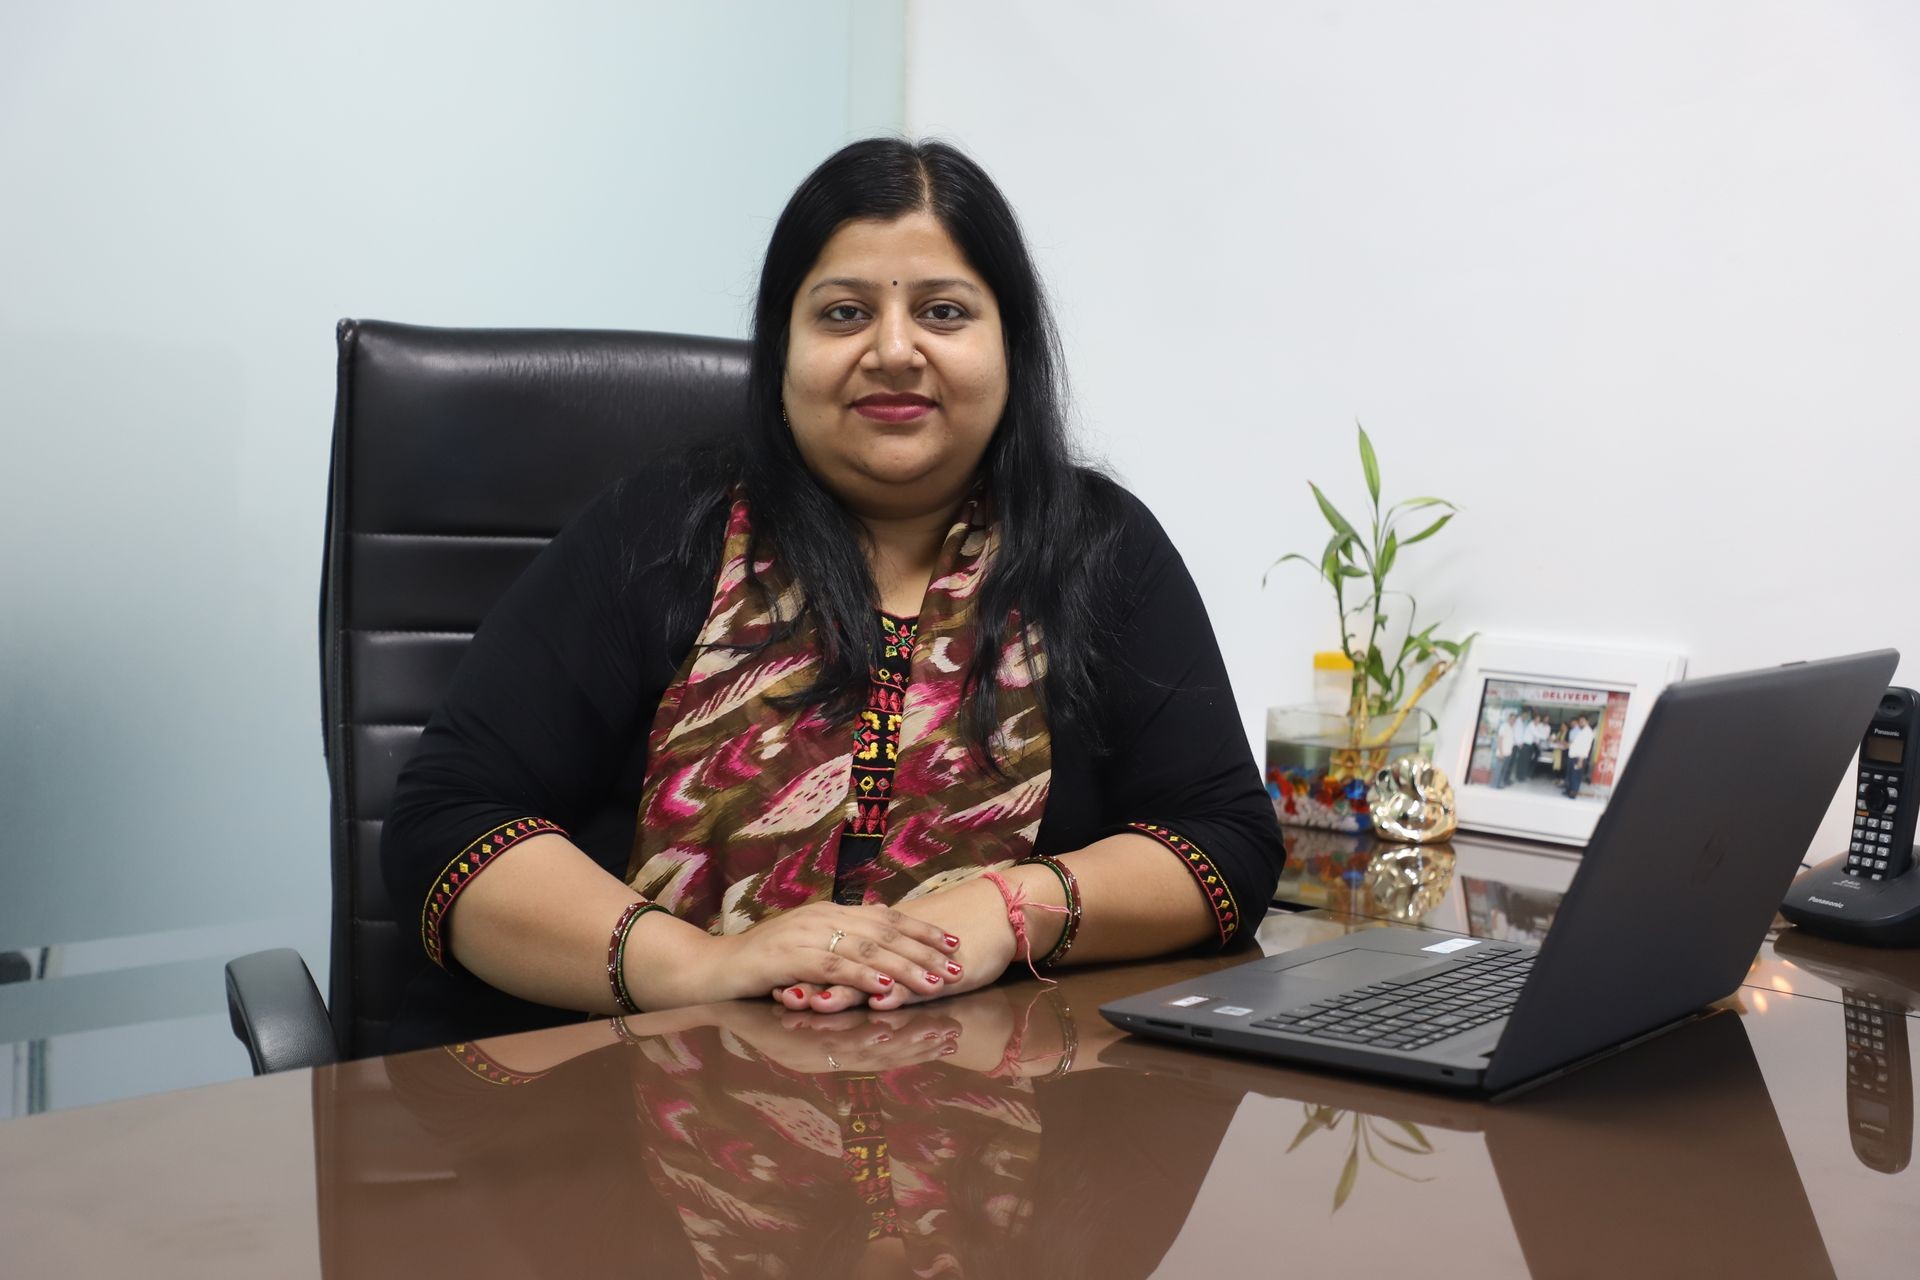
point(1071, 885)
point(1044, 860)
point(617, 953)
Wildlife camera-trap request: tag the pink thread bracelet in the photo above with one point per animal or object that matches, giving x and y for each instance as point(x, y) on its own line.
point(1016, 900)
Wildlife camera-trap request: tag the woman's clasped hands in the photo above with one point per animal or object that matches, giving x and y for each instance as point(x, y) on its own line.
point(973, 911)
point(878, 953)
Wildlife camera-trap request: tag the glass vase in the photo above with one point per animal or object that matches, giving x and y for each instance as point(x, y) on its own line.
point(1316, 775)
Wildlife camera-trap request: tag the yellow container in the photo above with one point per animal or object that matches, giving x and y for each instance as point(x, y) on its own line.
point(1332, 681)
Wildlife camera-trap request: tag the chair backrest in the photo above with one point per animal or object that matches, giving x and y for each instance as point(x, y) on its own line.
point(457, 455)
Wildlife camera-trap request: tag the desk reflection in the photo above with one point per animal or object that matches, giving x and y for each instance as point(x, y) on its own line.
point(999, 1134)
point(1469, 884)
point(963, 1138)
point(1879, 990)
point(1645, 1163)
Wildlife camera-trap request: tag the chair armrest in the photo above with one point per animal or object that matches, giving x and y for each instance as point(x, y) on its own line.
point(277, 1012)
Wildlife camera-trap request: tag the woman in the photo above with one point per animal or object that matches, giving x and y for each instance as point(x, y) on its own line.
point(901, 696)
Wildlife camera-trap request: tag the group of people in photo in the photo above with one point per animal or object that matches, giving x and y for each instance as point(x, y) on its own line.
point(1526, 743)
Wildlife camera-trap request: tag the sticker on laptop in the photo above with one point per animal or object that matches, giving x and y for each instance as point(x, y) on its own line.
point(1232, 1011)
point(1187, 1001)
point(1453, 944)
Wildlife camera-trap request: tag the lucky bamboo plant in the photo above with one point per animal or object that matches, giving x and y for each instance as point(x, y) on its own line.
point(1360, 561)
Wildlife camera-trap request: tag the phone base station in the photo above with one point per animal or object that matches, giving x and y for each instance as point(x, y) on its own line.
point(1825, 900)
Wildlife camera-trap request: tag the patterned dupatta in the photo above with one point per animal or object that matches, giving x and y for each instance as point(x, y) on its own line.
point(744, 802)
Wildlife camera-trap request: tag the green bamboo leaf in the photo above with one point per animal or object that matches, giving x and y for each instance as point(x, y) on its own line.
point(1334, 518)
point(1330, 558)
point(1448, 647)
point(1414, 504)
point(1402, 1173)
point(1462, 648)
point(1347, 1177)
point(1413, 1131)
point(1387, 553)
point(1429, 531)
point(1408, 1147)
point(1282, 560)
point(1352, 571)
point(1377, 669)
point(1369, 463)
point(1306, 1131)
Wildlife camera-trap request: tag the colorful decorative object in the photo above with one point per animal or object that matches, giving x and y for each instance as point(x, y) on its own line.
point(1309, 769)
point(1412, 800)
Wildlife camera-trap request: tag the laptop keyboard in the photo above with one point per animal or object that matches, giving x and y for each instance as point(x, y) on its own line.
point(1411, 1013)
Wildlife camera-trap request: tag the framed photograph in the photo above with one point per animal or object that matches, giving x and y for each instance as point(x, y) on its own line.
point(1534, 733)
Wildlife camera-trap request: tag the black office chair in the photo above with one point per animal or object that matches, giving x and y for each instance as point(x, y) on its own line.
point(457, 455)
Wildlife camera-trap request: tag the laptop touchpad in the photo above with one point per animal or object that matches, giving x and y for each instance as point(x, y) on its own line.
point(1357, 967)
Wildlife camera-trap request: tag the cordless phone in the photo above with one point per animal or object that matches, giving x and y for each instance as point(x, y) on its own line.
point(1887, 790)
point(1879, 1081)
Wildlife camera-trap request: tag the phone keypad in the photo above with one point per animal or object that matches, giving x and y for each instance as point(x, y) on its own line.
point(1870, 849)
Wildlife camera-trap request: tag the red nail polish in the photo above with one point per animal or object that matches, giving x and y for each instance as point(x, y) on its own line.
point(950, 1049)
point(797, 991)
point(881, 1039)
point(952, 941)
point(883, 979)
point(933, 977)
point(953, 968)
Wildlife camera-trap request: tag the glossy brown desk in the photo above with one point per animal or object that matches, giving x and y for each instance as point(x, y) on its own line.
point(1013, 1133)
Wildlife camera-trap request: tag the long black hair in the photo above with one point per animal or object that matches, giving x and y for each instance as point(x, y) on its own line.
point(1057, 519)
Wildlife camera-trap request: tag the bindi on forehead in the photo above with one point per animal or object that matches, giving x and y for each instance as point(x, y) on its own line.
point(937, 282)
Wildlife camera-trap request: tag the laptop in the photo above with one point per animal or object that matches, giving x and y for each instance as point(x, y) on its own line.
point(1705, 830)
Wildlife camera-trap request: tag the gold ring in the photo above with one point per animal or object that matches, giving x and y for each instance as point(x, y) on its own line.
point(838, 934)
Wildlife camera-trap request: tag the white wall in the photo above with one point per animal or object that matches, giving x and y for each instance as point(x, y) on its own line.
point(1634, 283)
point(190, 195)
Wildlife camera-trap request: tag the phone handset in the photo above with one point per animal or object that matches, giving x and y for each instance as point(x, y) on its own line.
point(1887, 790)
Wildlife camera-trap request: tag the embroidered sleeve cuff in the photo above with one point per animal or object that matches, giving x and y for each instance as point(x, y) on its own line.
point(1226, 912)
point(459, 873)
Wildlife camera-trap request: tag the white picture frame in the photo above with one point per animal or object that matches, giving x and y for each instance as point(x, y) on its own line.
point(1540, 789)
